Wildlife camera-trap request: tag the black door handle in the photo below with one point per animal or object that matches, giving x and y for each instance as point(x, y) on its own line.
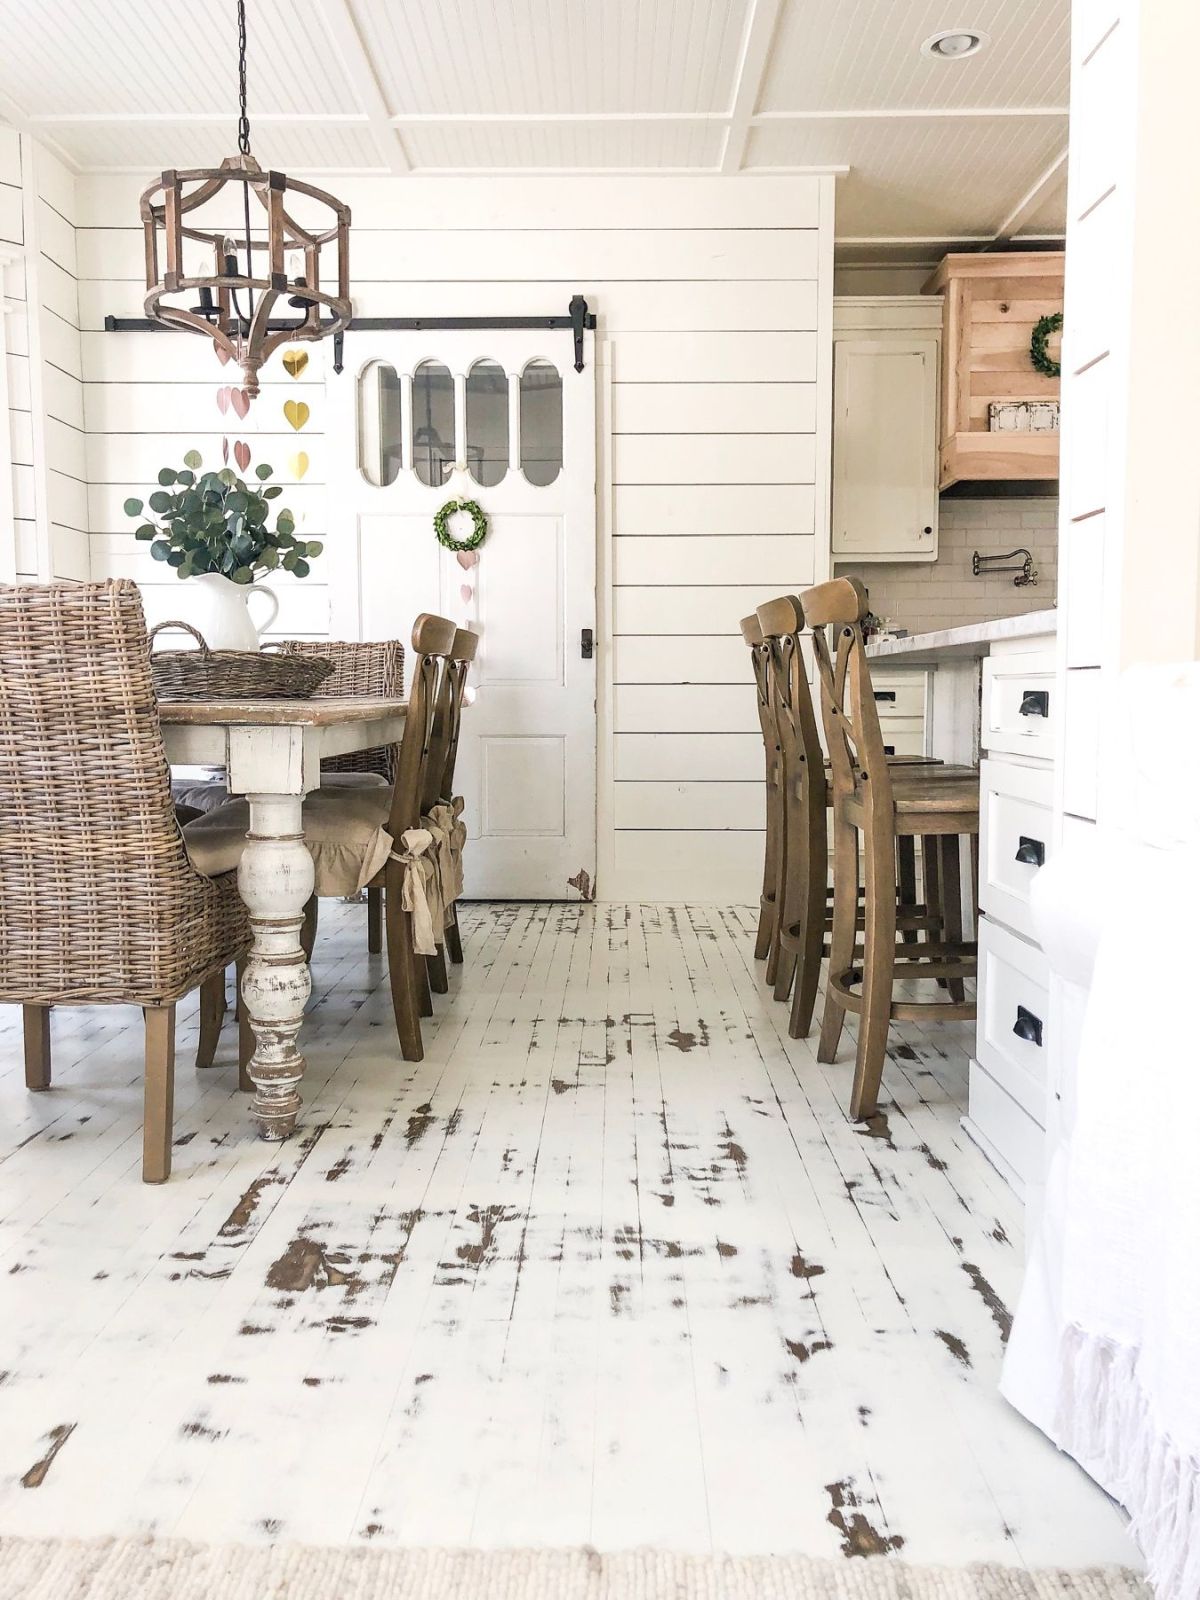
point(1035, 703)
point(587, 644)
point(885, 694)
point(1028, 1027)
point(1030, 852)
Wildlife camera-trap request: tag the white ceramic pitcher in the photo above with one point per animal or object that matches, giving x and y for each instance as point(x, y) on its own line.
point(220, 609)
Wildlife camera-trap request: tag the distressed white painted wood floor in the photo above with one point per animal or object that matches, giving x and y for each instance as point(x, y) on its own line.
point(610, 1265)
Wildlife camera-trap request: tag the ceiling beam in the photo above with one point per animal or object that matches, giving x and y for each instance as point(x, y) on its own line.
point(12, 112)
point(751, 69)
point(342, 30)
point(901, 113)
point(1029, 202)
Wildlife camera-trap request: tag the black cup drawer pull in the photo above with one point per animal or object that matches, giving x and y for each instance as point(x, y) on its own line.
point(885, 694)
point(1028, 1027)
point(1030, 852)
point(1035, 703)
point(889, 749)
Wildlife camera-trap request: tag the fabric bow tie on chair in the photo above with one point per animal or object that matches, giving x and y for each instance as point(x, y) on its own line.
point(445, 828)
point(421, 896)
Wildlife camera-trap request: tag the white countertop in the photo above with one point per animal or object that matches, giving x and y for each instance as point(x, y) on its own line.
point(973, 639)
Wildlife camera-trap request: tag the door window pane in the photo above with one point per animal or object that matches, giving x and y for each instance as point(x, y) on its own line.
point(487, 422)
point(379, 424)
point(541, 423)
point(433, 423)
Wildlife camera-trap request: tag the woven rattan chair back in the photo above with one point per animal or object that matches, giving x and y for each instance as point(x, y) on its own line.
point(98, 900)
point(366, 667)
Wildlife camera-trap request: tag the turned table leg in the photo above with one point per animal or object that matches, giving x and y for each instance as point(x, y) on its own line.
point(275, 880)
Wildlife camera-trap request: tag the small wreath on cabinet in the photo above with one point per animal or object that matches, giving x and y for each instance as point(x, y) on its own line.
point(479, 531)
point(1038, 353)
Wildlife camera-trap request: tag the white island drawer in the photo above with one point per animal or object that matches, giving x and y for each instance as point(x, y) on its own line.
point(1014, 1008)
point(1020, 703)
point(1015, 818)
point(900, 694)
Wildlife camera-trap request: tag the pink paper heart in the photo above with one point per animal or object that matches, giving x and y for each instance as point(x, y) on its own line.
point(466, 591)
point(222, 355)
point(241, 454)
point(225, 451)
point(223, 399)
point(241, 401)
point(467, 559)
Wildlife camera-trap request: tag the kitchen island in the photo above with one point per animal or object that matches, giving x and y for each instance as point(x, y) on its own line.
point(991, 698)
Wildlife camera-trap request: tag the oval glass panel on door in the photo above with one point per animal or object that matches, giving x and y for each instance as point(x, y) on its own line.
point(502, 418)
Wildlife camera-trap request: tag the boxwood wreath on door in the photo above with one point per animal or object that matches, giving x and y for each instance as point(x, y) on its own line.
point(479, 528)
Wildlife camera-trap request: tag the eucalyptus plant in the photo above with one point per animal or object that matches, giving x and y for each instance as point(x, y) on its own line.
point(215, 522)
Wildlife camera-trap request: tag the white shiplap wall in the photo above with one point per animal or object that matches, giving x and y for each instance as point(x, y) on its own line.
point(715, 303)
point(44, 364)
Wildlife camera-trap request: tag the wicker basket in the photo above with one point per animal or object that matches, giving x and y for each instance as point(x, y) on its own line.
point(206, 674)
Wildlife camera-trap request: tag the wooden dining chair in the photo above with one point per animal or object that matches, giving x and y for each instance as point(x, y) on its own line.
point(360, 667)
point(100, 902)
point(370, 836)
point(881, 805)
point(764, 940)
point(441, 808)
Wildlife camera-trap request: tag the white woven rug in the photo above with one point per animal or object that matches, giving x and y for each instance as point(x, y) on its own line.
point(164, 1569)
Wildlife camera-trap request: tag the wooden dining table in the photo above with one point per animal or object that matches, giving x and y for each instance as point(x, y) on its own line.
point(272, 751)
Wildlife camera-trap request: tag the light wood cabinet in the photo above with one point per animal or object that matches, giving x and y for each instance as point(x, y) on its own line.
point(885, 446)
point(991, 304)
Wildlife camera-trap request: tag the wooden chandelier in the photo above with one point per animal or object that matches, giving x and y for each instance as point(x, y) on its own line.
point(241, 331)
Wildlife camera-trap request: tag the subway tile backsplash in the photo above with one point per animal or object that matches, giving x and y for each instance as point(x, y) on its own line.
point(941, 594)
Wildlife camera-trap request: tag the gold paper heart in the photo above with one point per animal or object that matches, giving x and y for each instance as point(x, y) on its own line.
point(298, 464)
point(294, 362)
point(296, 412)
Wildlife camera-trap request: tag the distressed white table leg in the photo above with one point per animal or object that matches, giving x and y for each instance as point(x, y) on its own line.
point(275, 880)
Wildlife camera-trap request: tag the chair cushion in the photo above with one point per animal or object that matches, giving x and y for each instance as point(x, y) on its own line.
point(345, 829)
point(198, 795)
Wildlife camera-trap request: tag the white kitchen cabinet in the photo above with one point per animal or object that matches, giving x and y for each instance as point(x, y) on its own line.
point(885, 449)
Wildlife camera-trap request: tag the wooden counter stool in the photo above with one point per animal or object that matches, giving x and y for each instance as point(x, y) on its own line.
point(796, 816)
point(885, 805)
point(760, 657)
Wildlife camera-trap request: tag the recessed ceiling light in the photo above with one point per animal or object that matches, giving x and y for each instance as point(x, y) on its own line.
point(954, 44)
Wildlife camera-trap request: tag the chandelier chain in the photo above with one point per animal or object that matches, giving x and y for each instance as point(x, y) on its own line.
point(243, 119)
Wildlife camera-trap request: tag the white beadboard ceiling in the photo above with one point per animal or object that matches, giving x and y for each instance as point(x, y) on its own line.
point(926, 150)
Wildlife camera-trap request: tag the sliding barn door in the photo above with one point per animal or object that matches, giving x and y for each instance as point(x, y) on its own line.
point(501, 418)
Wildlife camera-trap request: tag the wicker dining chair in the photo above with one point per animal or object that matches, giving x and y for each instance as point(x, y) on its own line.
point(99, 901)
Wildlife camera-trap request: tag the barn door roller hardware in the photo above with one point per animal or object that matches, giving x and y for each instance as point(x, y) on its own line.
point(578, 318)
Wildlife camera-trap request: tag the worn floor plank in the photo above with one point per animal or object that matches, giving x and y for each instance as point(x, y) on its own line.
point(610, 1265)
